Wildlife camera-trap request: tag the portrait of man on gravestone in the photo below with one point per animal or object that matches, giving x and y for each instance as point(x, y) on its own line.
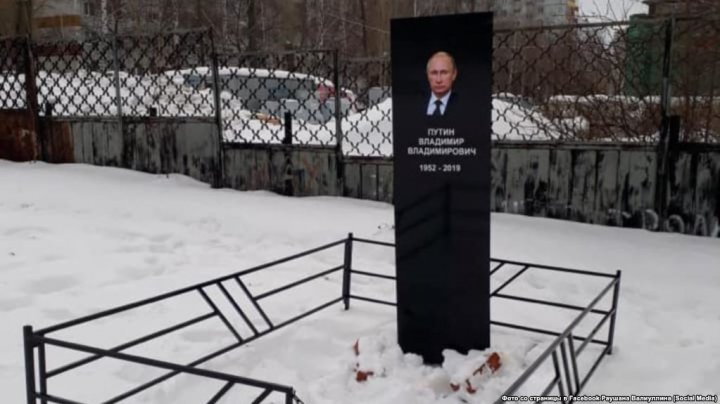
point(441, 74)
point(441, 117)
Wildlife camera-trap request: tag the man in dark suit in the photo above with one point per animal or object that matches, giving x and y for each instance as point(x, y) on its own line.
point(441, 74)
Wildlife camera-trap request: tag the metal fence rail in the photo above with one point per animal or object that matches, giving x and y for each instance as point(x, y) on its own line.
point(567, 380)
point(38, 342)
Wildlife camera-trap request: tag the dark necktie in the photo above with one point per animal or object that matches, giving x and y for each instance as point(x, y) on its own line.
point(438, 111)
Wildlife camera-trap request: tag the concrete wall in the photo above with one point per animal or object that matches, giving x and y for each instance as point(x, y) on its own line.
point(609, 185)
point(602, 184)
point(18, 137)
point(369, 179)
point(289, 170)
point(694, 193)
point(154, 145)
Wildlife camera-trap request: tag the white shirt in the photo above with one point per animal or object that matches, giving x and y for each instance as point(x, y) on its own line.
point(431, 103)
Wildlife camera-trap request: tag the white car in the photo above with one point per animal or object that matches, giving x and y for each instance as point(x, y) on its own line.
point(271, 92)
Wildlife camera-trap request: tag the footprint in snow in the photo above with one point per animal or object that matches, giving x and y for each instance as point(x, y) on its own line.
point(50, 284)
point(58, 314)
point(12, 303)
point(26, 231)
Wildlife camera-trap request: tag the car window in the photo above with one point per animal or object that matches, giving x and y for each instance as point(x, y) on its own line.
point(194, 80)
point(256, 92)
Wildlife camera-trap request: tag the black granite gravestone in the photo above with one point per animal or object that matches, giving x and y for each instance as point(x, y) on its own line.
point(442, 103)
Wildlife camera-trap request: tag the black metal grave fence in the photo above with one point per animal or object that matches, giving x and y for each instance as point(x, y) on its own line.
point(37, 343)
point(567, 381)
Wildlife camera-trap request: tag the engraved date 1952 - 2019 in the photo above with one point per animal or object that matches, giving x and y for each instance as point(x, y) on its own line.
point(440, 168)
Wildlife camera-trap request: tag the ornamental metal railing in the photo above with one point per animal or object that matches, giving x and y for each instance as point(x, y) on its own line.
point(231, 302)
point(563, 352)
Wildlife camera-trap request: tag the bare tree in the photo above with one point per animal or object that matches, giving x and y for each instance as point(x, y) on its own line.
point(611, 10)
point(363, 19)
point(252, 25)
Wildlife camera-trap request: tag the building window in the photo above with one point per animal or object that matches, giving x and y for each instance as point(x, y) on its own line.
point(89, 8)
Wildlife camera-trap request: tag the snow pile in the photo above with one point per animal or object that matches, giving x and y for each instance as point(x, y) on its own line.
point(477, 377)
point(239, 72)
point(511, 121)
point(369, 132)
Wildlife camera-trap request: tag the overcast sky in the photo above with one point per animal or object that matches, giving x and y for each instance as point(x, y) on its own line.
point(614, 10)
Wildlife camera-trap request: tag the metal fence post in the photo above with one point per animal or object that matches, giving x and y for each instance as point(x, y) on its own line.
point(338, 111)
point(42, 372)
point(663, 150)
point(116, 67)
point(220, 170)
point(288, 139)
point(667, 67)
point(347, 266)
point(611, 330)
point(31, 97)
point(29, 364)
point(671, 159)
point(338, 124)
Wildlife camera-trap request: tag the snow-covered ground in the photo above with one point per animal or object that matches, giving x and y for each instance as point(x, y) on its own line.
point(77, 239)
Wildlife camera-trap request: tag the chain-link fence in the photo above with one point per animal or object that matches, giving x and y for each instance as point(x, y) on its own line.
point(368, 131)
point(13, 65)
point(605, 82)
point(280, 97)
point(695, 78)
point(576, 83)
point(137, 75)
point(75, 78)
point(582, 83)
point(157, 72)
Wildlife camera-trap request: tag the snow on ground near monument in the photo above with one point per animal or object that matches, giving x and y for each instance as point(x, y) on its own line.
point(77, 239)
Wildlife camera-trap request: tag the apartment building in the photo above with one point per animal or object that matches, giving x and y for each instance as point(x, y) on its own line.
point(8, 17)
point(48, 18)
point(666, 8)
point(531, 12)
point(58, 19)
